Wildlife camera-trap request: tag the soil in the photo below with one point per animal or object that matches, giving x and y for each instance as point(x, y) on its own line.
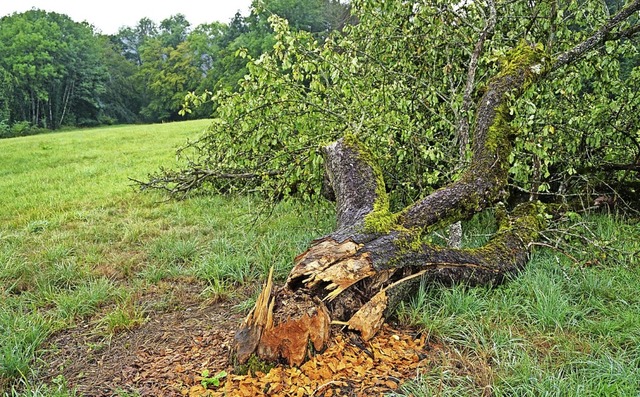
point(177, 352)
point(151, 360)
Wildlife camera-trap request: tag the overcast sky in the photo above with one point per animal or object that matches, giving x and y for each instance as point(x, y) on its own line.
point(109, 15)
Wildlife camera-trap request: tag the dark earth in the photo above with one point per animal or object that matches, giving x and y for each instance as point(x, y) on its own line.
point(166, 356)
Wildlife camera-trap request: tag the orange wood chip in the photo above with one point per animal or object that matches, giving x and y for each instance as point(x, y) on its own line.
point(342, 369)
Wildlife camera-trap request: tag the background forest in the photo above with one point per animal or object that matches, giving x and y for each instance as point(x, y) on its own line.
point(56, 72)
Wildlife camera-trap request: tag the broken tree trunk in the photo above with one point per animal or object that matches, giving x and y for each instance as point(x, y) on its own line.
point(354, 275)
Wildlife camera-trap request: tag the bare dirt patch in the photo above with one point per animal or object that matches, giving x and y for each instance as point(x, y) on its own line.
point(168, 355)
point(155, 359)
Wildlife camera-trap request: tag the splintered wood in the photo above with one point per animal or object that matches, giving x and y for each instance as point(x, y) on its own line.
point(348, 367)
point(261, 317)
point(335, 264)
point(306, 321)
point(369, 318)
point(319, 257)
point(291, 338)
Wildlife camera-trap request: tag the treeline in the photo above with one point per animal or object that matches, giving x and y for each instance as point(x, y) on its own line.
point(56, 72)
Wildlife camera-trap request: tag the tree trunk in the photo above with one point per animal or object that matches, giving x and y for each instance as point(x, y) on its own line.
point(353, 276)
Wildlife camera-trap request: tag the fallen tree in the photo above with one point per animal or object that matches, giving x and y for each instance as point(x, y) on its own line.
point(353, 276)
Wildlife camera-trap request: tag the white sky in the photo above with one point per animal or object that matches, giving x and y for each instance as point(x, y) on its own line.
point(109, 15)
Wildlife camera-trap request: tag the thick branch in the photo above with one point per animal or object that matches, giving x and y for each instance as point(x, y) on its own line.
point(504, 254)
point(482, 183)
point(359, 283)
point(353, 179)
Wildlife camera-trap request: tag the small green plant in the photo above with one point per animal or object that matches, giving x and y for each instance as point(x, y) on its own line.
point(214, 380)
point(174, 250)
point(253, 365)
point(37, 226)
point(25, 388)
point(218, 290)
point(21, 333)
point(125, 393)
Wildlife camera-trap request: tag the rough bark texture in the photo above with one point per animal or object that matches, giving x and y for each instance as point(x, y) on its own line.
point(355, 279)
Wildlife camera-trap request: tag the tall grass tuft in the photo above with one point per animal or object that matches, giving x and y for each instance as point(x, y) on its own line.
point(20, 337)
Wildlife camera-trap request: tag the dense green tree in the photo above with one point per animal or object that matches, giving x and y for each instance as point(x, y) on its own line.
point(174, 30)
point(168, 70)
point(6, 94)
point(169, 74)
point(55, 71)
point(209, 44)
point(173, 60)
point(54, 65)
point(132, 39)
point(122, 100)
point(320, 17)
point(253, 35)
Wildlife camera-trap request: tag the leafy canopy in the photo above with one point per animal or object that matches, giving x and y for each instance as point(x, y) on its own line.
point(50, 69)
point(396, 79)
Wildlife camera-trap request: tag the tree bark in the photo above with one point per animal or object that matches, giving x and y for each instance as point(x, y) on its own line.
point(353, 276)
point(356, 275)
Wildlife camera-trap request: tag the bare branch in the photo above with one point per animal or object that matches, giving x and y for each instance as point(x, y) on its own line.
point(181, 183)
point(467, 101)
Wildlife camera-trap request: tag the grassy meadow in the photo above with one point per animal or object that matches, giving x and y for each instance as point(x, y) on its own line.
point(79, 243)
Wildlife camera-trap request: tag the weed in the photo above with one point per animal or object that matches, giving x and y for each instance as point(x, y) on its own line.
point(160, 271)
point(37, 226)
point(218, 290)
point(20, 337)
point(214, 380)
point(126, 393)
point(173, 250)
point(84, 300)
point(26, 388)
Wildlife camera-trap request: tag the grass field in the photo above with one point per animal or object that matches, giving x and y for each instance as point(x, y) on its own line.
point(79, 243)
point(565, 327)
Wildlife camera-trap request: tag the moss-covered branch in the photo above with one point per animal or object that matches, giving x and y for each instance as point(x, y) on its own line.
point(482, 184)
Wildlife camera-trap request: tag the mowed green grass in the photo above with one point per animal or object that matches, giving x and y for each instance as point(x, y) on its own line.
point(78, 242)
point(78, 245)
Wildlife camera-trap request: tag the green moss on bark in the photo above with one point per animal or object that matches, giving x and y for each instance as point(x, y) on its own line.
point(381, 219)
point(520, 228)
point(525, 55)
